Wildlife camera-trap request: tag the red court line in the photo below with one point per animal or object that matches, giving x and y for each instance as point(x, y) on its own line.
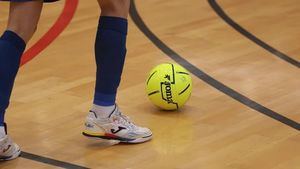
point(61, 23)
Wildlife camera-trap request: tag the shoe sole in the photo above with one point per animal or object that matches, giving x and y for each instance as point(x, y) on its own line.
point(116, 138)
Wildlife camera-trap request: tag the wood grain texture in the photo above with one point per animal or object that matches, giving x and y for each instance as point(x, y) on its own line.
point(54, 91)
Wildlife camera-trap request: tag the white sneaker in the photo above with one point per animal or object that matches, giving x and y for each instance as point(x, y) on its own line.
point(8, 149)
point(117, 127)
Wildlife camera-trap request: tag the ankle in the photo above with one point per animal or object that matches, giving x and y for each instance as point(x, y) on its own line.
point(103, 111)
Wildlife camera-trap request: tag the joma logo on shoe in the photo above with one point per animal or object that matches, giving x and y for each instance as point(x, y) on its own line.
point(116, 131)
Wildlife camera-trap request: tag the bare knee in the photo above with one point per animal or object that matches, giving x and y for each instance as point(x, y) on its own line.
point(118, 8)
point(24, 30)
point(24, 17)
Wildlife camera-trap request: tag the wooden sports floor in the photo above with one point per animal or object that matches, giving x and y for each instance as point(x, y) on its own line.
point(244, 112)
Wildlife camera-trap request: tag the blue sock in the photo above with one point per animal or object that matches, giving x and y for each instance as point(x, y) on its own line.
point(110, 51)
point(11, 50)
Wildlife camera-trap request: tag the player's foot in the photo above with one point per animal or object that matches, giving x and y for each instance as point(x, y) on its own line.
point(8, 149)
point(117, 127)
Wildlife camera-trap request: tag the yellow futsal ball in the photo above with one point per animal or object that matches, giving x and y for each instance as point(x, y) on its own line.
point(169, 86)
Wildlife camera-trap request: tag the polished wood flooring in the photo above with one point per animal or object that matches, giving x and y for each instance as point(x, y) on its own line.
point(213, 131)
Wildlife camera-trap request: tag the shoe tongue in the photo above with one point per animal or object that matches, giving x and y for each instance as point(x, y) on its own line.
point(116, 112)
point(2, 132)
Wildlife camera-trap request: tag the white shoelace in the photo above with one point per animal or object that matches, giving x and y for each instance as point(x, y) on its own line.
point(125, 120)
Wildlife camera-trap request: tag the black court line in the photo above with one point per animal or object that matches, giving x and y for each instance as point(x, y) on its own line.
point(204, 76)
point(253, 38)
point(50, 161)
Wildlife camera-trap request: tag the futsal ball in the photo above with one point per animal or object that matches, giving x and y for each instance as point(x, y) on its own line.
point(169, 86)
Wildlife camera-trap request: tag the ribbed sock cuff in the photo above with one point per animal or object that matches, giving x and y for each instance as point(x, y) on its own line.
point(15, 39)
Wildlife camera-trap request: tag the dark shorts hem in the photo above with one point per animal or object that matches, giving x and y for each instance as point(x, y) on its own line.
point(28, 0)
